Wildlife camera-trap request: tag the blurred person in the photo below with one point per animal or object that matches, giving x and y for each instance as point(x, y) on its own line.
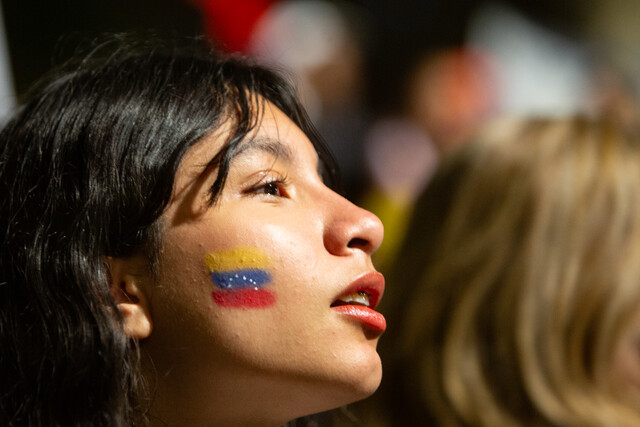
point(400, 159)
point(515, 295)
point(613, 94)
point(173, 252)
point(448, 95)
point(451, 93)
point(611, 30)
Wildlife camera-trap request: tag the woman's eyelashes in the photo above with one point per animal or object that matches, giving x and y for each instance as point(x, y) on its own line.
point(271, 186)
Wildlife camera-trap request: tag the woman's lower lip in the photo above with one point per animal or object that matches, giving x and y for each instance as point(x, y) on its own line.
point(365, 315)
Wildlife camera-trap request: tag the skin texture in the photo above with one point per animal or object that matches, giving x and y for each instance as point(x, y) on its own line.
point(207, 364)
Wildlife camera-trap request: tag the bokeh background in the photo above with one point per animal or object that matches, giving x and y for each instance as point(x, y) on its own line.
point(390, 84)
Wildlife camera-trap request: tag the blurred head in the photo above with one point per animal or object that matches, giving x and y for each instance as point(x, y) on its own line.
point(179, 200)
point(466, 79)
point(519, 281)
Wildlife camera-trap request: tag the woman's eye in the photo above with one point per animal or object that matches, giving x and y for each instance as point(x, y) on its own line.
point(275, 188)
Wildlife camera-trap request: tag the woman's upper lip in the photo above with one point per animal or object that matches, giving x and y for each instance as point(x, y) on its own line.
point(372, 283)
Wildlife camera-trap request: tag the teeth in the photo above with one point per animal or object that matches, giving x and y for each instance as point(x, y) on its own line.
point(360, 298)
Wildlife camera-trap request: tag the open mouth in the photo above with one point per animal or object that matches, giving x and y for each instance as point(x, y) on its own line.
point(358, 302)
point(361, 298)
point(365, 291)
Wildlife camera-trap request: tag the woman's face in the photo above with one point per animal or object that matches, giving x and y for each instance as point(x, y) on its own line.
point(250, 302)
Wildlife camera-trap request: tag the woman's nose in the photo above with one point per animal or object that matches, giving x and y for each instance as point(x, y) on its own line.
point(350, 228)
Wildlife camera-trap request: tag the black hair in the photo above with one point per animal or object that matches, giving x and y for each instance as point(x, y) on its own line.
point(86, 170)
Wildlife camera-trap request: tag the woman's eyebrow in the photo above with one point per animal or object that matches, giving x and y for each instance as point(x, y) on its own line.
point(267, 145)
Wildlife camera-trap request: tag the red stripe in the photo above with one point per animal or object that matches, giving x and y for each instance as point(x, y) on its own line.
point(244, 298)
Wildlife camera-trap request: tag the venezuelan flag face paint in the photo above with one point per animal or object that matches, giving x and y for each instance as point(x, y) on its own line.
point(240, 277)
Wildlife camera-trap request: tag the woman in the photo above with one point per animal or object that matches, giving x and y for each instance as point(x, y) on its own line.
point(172, 256)
point(516, 294)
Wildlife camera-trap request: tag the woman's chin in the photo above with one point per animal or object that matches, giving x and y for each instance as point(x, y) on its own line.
point(358, 383)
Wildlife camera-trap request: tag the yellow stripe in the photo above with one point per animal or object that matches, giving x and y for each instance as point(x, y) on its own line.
point(236, 259)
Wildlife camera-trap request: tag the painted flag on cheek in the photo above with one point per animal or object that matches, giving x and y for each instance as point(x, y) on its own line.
point(240, 278)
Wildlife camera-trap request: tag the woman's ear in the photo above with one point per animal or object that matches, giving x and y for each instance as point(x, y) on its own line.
point(126, 280)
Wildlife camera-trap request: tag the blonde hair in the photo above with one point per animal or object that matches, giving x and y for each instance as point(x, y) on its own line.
point(519, 279)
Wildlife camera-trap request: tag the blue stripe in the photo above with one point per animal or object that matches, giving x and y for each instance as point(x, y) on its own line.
point(247, 278)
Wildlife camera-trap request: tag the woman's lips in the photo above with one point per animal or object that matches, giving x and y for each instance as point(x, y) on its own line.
point(359, 300)
point(365, 315)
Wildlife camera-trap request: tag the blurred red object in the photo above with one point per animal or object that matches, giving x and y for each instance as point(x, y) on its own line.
point(229, 23)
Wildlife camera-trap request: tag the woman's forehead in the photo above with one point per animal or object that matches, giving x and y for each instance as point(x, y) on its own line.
point(275, 134)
